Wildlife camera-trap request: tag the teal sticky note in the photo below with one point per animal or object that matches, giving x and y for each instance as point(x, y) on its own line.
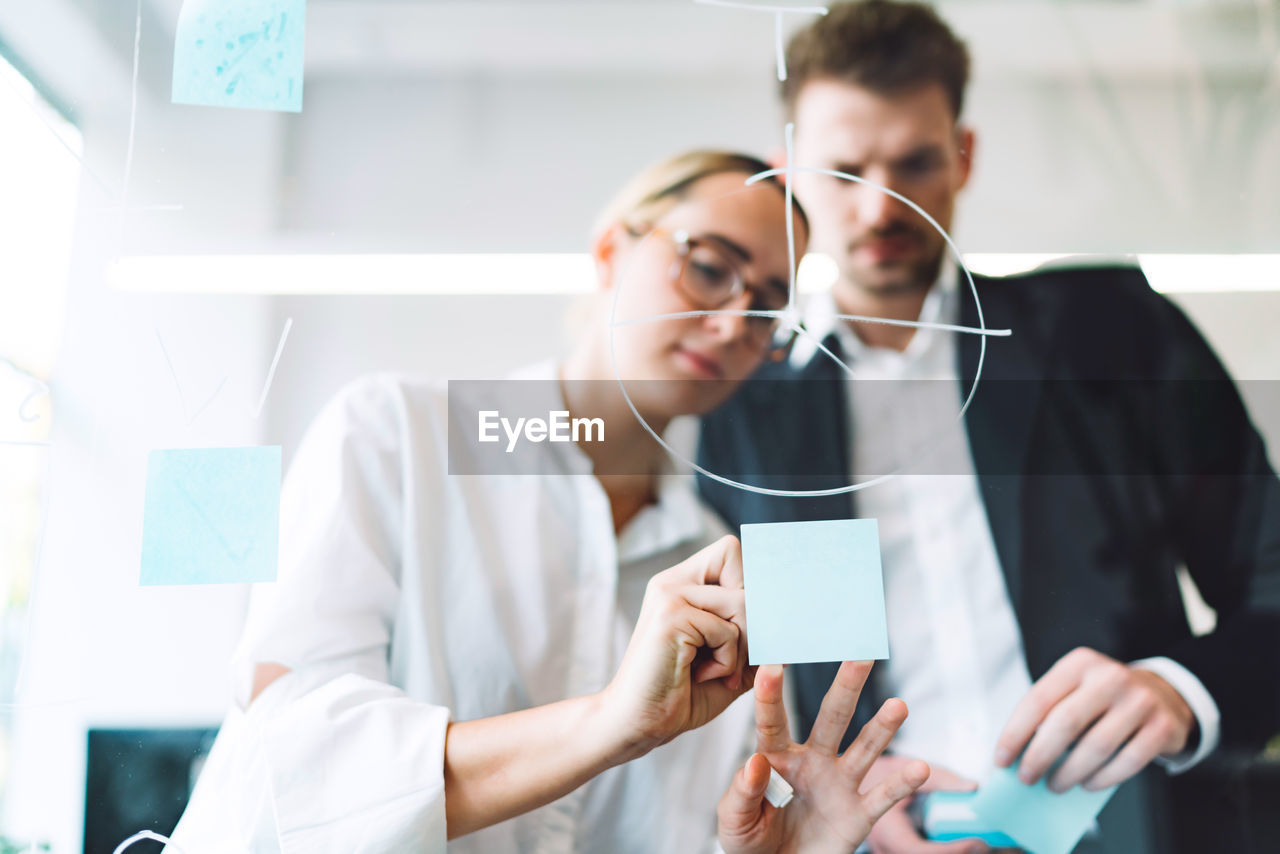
point(814, 590)
point(1041, 821)
point(240, 53)
point(948, 816)
point(211, 516)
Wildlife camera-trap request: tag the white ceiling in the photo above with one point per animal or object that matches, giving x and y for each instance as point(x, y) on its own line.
point(1050, 37)
point(83, 49)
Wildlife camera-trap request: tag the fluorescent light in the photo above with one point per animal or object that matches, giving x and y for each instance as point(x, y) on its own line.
point(1171, 274)
point(573, 273)
point(1168, 273)
point(1007, 263)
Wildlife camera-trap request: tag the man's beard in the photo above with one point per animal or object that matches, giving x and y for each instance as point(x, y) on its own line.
point(913, 278)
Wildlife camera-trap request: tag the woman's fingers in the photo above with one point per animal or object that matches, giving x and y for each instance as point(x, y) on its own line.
point(898, 785)
point(719, 563)
point(710, 580)
point(772, 733)
point(690, 637)
point(945, 780)
point(728, 604)
point(703, 630)
point(874, 738)
point(725, 603)
point(838, 706)
point(742, 806)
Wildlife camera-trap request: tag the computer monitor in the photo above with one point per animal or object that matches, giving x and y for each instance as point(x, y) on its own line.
point(139, 779)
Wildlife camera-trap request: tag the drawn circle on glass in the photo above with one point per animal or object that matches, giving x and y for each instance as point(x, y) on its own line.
point(790, 316)
point(146, 836)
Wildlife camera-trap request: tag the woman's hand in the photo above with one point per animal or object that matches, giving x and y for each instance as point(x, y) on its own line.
point(828, 812)
point(896, 831)
point(687, 659)
point(686, 662)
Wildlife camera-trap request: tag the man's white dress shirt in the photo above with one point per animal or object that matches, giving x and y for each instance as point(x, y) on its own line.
point(407, 598)
point(955, 648)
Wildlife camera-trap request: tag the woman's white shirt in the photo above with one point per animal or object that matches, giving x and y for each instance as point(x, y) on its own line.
point(408, 597)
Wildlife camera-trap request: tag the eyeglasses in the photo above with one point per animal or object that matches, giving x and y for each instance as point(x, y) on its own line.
point(707, 275)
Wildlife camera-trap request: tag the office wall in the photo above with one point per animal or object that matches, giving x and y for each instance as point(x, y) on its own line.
point(480, 162)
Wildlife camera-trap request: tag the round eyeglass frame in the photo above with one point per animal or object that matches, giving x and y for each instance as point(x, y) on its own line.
point(775, 345)
point(982, 330)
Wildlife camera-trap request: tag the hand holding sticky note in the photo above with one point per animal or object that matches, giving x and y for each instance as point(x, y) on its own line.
point(1007, 812)
point(240, 53)
point(211, 516)
point(814, 591)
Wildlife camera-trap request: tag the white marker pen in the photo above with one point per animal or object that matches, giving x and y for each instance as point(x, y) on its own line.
point(779, 791)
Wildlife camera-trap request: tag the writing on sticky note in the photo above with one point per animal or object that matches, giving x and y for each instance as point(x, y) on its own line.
point(211, 516)
point(240, 53)
point(1041, 821)
point(815, 591)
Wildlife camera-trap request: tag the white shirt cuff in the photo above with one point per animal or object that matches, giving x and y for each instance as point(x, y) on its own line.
point(1202, 706)
point(357, 765)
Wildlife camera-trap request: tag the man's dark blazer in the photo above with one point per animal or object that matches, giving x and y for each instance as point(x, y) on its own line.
point(1110, 447)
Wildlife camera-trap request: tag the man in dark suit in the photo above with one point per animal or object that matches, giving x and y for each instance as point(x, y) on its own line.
point(1031, 549)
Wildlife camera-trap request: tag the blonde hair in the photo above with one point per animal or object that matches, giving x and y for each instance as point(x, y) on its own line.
point(657, 189)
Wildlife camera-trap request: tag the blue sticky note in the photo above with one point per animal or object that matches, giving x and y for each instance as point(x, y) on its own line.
point(240, 53)
point(948, 816)
point(211, 516)
point(1041, 821)
point(814, 591)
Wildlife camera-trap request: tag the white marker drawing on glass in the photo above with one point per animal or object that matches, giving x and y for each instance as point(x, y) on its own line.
point(789, 316)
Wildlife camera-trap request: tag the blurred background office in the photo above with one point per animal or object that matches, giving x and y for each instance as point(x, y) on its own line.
point(428, 210)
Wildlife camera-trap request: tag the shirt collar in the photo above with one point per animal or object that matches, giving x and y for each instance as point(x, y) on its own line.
point(676, 517)
point(820, 321)
point(544, 377)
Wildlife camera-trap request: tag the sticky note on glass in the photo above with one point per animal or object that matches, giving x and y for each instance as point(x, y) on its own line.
point(815, 591)
point(211, 516)
point(1042, 822)
point(240, 53)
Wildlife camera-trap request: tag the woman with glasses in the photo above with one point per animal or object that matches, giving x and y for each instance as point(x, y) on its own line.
point(502, 662)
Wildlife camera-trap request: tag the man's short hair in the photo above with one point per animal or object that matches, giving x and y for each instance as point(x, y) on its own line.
point(886, 46)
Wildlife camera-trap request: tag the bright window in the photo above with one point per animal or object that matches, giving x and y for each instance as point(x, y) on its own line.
point(39, 174)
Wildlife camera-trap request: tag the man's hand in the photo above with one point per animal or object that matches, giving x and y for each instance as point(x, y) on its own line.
point(834, 808)
point(1117, 717)
point(896, 833)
